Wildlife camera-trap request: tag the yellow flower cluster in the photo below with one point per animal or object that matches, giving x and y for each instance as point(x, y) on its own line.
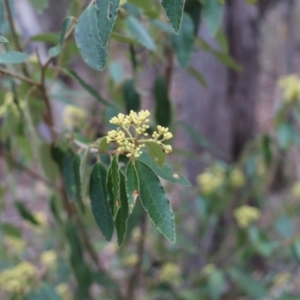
point(16, 245)
point(208, 269)
point(236, 178)
point(170, 273)
point(74, 117)
point(131, 132)
point(16, 279)
point(63, 290)
point(282, 279)
point(211, 179)
point(49, 258)
point(245, 215)
point(296, 190)
point(130, 260)
point(291, 88)
point(9, 105)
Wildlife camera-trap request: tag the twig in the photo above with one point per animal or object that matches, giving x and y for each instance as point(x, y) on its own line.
point(49, 115)
point(140, 253)
point(169, 68)
point(20, 77)
point(12, 26)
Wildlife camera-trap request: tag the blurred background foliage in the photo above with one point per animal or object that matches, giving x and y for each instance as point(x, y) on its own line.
point(223, 86)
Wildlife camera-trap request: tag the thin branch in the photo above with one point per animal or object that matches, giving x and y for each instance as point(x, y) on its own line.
point(169, 67)
point(12, 26)
point(20, 77)
point(133, 280)
point(49, 115)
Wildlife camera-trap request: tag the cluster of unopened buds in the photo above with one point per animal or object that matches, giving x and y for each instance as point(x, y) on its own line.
point(131, 134)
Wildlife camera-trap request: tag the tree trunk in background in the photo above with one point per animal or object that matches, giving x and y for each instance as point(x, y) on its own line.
point(241, 26)
point(224, 113)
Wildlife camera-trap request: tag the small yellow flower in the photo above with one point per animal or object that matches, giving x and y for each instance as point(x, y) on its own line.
point(49, 258)
point(245, 215)
point(16, 245)
point(63, 290)
point(237, 178)
point(208, 269)
point(170, 273)
point(74, 117)
point(10, 105)
point(130, 260)
point(296, 190)
point(16, 279)
point(211, 179)
point(282, 279)
point(291, 88)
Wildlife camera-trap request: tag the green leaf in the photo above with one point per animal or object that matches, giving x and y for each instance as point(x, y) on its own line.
point(163, 113)
point(2, 15)
point(198, 76)
point(156, 153)
point(109, 188)
point(88, 40)
point(193, 9)
point(284, 226)
point(57, 154)
point(68, 174)
point(103, 144)
point(123, 38)
point(39, 5)
point(222, 40)
point(132, 185)
point(3, 39)
point(55, 51)
point(50, 168)
point(99, 201)
point(13, 57)
point(155, 201)
point(131, 96)
point(26, 214)
point(183, 43)
point(250, 286)
point(174, 11)
point(114, 185)
point(296, 249)
point(137, 31)
point(77, 181)
point(86, 86)
point(212, 10)
point(48, 37)
point(195, 135)
point(223, 57)
point(165, 172)
point(11, 230)
point(83, 170)
point(122, 216)
point(106, 14)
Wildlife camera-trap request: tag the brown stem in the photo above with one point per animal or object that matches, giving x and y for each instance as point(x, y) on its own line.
point(22, 78)
point(133, 280)
point(169, 67)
